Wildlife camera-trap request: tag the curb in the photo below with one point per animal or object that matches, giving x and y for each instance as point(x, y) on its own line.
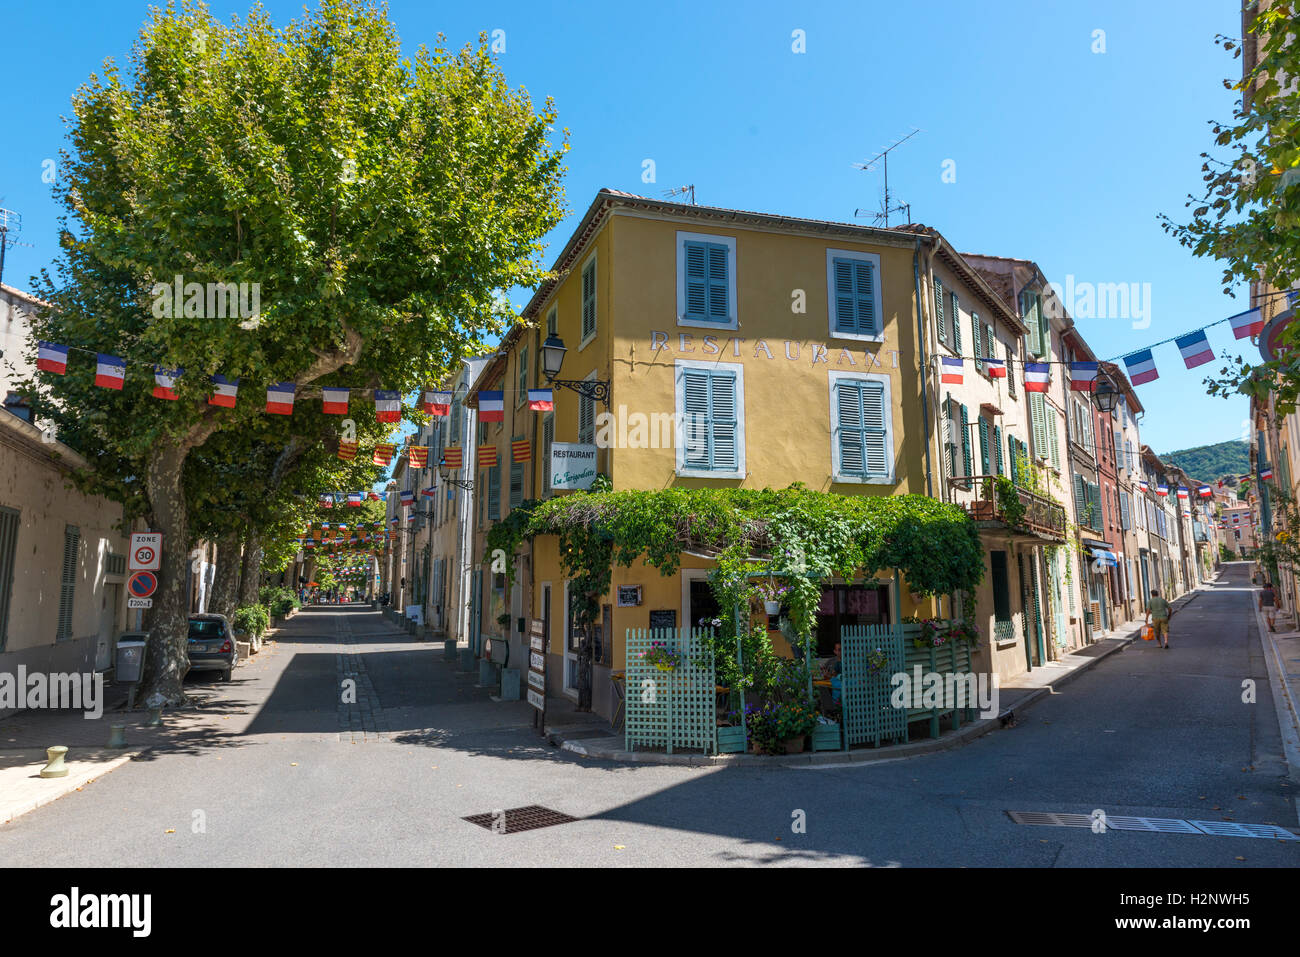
point(1281, 693)
point(67, 785)
point(954, 739)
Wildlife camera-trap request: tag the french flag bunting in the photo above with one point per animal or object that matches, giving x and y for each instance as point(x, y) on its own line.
point(165, 382)
point(1141, 367)
point(373, 496)
point(996, 368)
point(1205, 491)
point(1142, 486)
point(1246, 324)
point(1266, 473)
point(950, 370)
point(51, 358)
point(1162, 489)
point(491, 406)
point(437, 402)
point(1038, 376)
point(1183, 492)
point(388, 407)
point(279, 398)
point(354, 499)
point(224, 392)
point(541, 400)
point(110, 371)
point(408, 498)
point(334, 401)
point(430, 491)
point(1083, 376)
point(1195, 348)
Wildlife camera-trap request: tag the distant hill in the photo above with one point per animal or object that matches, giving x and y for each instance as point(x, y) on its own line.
point(1209, 462)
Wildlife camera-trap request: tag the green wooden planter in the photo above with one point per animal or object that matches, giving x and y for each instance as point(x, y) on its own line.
point(731, 740)
point(826, 737)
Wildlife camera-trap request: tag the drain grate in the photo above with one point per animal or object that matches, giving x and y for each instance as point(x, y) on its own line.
point(1156, 825)
point(517, 819)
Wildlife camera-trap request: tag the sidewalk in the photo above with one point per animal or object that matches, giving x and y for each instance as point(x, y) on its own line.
point(1282, 658)
point(591, 736)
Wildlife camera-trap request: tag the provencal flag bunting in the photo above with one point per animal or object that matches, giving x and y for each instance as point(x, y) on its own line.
point(487, 456)
point(383, 454)
point(347, 451)
point(521, 449)
point(451, 457)
point(418, 456)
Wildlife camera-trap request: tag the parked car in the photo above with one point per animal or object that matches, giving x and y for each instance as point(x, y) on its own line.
point(212, 645)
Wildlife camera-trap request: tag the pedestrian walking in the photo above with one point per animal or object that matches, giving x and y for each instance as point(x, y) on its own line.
point(1158, 615)
point(1268, 604)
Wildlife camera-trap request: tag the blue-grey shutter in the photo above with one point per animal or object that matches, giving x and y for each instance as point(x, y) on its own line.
point(68, 583)
point(848, 429)
point(586, 419)
point(723, 422)
point(855, 297)
point(516, 483)
point(718, 288)
point(845, 304)
point(9, 523)
point(695, 418)
point(548, 437)
point(494, 493)
point(874, 429)
point(589, 300)
point(697, 280)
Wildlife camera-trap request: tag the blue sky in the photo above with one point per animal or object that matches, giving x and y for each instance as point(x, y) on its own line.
point(1061, 155)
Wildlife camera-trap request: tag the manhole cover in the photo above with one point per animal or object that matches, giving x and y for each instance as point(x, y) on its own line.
point(517, 819)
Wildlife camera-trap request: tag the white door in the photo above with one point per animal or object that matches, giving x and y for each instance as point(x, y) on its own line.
point(106, 640)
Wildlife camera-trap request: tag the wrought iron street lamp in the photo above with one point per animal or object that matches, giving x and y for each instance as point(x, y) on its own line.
point(445, 474)
point(1105, 396)
point(553, 351)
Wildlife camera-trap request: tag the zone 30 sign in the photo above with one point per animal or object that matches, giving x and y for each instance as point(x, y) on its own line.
point(146, 552)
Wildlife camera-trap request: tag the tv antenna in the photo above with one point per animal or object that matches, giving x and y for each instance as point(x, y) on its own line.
point(681, 191)
point(882, 158)
point(11, 224)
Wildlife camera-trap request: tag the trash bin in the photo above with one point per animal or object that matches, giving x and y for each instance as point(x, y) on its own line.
point(130, 656)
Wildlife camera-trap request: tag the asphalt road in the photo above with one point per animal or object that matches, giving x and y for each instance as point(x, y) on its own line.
point(288, 775)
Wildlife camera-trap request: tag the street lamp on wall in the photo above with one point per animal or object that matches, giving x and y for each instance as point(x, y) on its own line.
point(1105, 397)
point(553, 350)
point(445, 474)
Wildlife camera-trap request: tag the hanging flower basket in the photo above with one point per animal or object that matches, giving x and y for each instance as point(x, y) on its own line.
point(772, 607)
point(660, 657)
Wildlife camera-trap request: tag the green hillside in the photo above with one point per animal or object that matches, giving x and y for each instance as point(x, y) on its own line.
point(1209, 462)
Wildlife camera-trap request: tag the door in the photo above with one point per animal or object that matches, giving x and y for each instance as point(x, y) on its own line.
point(107, 637)
point(572, 643)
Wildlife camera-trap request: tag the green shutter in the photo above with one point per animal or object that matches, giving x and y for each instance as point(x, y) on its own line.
point(1051, 424)
point(1011, 369)
point(68, 583)
point(1012, 465)
point(589, 300)
point(985, 468)
point(976, 338)
point(938, 309)
point(965, 444)
point(956, 324)
point(997, 448)
point(1038, 420)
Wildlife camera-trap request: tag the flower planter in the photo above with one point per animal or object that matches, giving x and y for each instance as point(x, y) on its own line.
point(826, 737)
point(794, 745)
point(731, 740)
point(772, 607)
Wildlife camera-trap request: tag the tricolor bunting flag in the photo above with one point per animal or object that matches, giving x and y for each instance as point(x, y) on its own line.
point(1205, 491)
point(996, 368)
point(1142, 486)
point(383, 453)
point(388, 406)
point(418, 456)
point(1183, 492)
point(1038, 376)
point(451, 457)
point(1247, 324)
point(224, 391)
point(487, 456)
point(430, 491)
point(51, 358)
point(950, 370)
point(1195, 348)
point(354, 499)
point(521, 449)
point(1083, 376)
point(1162, 489)
point(165, 382)
point(110, 371)
point(437, 402)
point(1266, 473)
point(1141, 367)
point(279, 398)
point(334, 401)
point(326, 501)
point(374, 496)
point(492, 406)
point(347, 451)
point(541, 400)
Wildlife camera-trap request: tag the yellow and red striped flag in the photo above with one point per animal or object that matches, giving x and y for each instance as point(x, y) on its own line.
point(451, 456)
point(522, 449)
point(383, 454)
point(419, 456)
point(487, 456)
point(347, 451)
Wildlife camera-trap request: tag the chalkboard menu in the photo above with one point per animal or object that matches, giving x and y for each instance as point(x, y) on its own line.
point(663, 618)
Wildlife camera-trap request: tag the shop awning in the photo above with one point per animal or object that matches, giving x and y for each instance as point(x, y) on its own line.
point(1104, 556)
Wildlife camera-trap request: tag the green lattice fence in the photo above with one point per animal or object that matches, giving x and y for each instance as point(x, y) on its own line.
point(867, 714)
point(952, 657)
point(671, 709)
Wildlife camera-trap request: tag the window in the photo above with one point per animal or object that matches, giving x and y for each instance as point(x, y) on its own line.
point(516, 483)
point(494, 493)
point(9, 523)
point(861, 444)
point(1031, 308)
point(986, 467)
point(553, 321)
point(589, 301)
point(68, 585)
point(710, 416)
point(1012, 355)
point(1001, 584)
point(455, 420)
point(522, 378)
point(853, 290)
point(706, 280)
point(548, 437)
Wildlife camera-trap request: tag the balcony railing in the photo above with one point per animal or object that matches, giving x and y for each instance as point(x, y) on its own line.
point(1042, 516)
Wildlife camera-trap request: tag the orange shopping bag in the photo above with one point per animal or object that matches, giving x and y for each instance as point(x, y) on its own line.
point(1148, 633)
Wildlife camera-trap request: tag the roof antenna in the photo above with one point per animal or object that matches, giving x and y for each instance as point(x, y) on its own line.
point(681, 191)
point(883, 158)
point(11, 224)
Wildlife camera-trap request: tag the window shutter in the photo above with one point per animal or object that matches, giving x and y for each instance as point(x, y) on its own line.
point(9, 523)
point(695, 415)
point(523, 376)
point(866, 295)
point(516, 484)
point(1049, 421)
point(707, 288)
point(965, 443)
point(586, 419)
point(989, 342)
point(1011, 369)
point(1013, 466)
point(956, 324)
point(1038, 416)
point(938, 309)
point(494, 493)
point(845, 303)
point(997, 448)
point(848, 426)
point(1080, 499)
point(950, 435)
point(548, 437)
point(589, 300)
point(985, 468)
point(723, 422)
point(68, 584)
point(977, 338)
point(1123, 511)
point(875, 430)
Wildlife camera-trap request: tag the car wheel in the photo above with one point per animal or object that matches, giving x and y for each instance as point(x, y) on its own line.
point(225, 675)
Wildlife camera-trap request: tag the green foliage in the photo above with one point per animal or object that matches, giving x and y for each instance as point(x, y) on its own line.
point(1009, 504)
point(251, 620)
point(279, 601)
point(1207, 463)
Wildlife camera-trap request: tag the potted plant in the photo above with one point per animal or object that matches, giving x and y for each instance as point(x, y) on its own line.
point(660, 656)
point(933, 634)
point(772, 595)
point(793, 721)
point(964, 631)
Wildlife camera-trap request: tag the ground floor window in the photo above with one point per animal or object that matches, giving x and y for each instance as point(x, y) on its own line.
point(842, 605)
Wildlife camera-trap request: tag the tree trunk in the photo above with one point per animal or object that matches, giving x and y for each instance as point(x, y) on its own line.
point(167, 655)
point(225, 588)
point(251, 575)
